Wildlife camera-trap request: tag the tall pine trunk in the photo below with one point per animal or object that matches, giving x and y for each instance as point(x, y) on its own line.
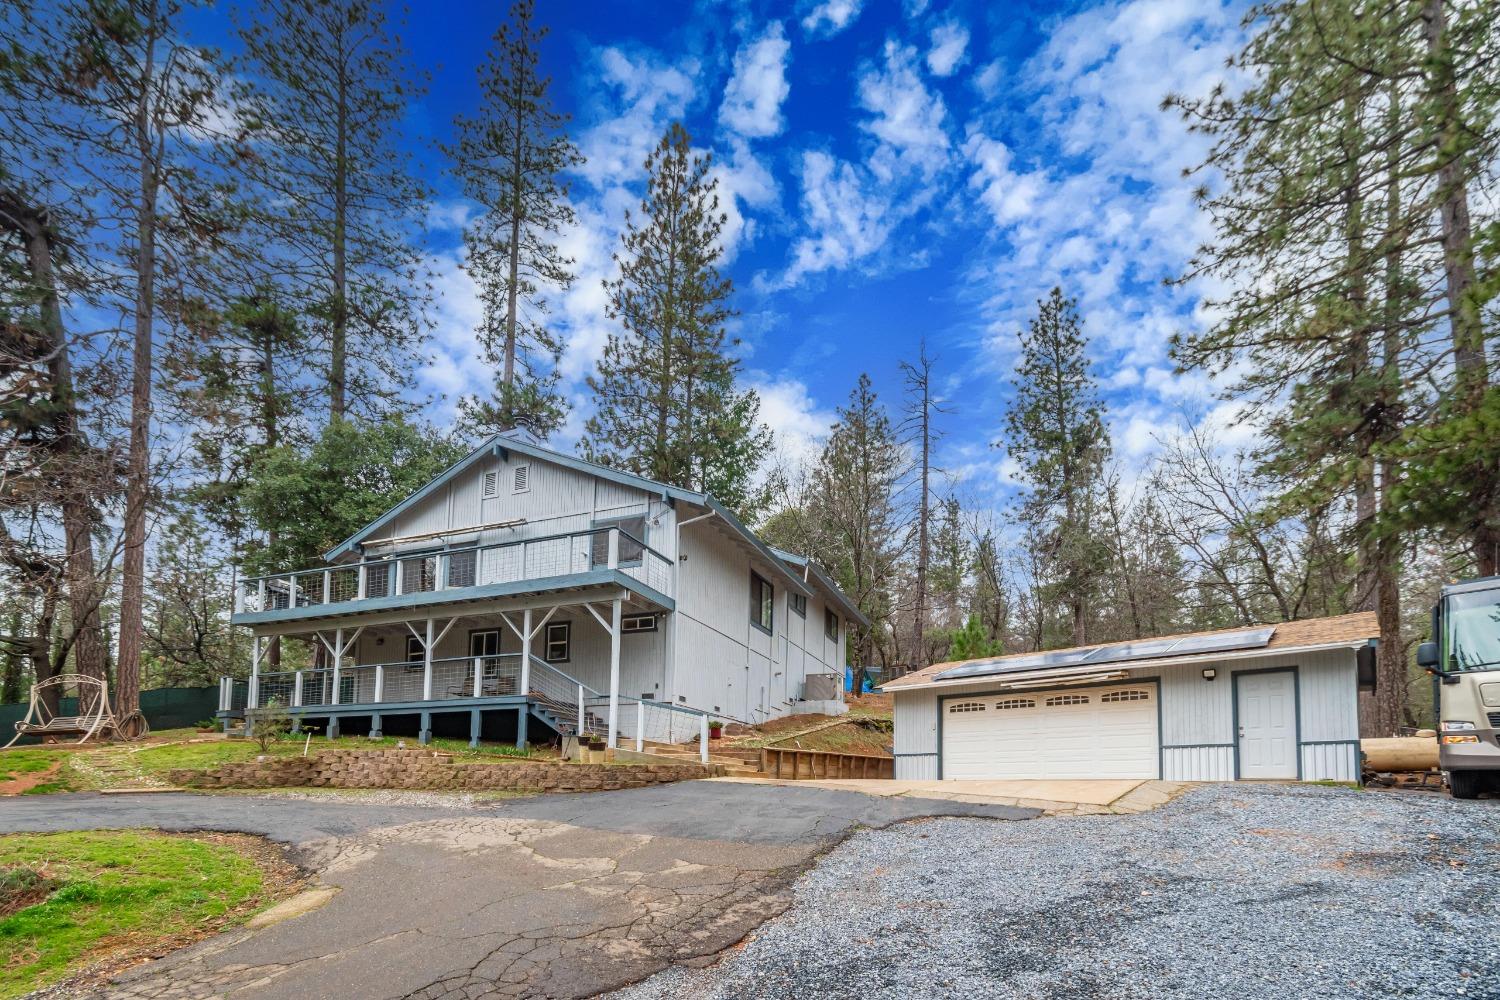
point(1470, 370)
point(138, 470)
point(78, 518)
point(338, 346)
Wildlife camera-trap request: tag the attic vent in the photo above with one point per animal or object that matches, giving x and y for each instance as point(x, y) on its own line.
point(491, 483)
point(522, 481)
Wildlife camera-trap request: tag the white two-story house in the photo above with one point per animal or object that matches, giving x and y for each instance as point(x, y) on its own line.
point(525, 588)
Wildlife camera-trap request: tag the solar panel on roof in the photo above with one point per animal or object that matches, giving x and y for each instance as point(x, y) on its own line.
point(1142, 649)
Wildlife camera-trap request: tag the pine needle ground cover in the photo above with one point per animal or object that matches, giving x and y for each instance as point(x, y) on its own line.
point(75, 901)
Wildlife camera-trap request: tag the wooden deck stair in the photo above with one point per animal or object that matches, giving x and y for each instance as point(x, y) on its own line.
point(736, 761)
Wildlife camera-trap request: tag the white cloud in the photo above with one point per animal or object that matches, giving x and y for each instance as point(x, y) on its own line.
point(744, 184)
point(847, 216)
point(756, 90)
point(831, 16)
point(453, 369)
point(799, 423)
point(643, 96)
point(908, 117)
point(1009, 195)
point(950, 43)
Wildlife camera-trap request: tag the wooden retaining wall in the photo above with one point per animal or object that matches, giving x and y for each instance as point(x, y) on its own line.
point(784, 762)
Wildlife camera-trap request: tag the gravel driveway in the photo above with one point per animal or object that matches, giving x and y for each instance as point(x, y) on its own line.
point(1240, 891)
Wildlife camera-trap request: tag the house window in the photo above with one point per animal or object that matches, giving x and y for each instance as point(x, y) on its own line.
point(461, 568)
point(486, 644)
point(557, 647)
point(762, 599)
point(491, 484)
point(799, 604)
point(831, 625)
point(416, 657)
point(632, 534)
point(521, 479)
point(1111, 697)
point(638, 623)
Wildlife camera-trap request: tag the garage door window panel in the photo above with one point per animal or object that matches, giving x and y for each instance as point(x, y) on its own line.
point(1065, 700)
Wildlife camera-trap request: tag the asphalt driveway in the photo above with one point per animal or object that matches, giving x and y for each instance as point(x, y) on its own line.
point(1260, 892)
point(553, 896)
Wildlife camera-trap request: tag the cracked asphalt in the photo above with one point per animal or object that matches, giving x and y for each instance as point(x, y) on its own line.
point(557, 896)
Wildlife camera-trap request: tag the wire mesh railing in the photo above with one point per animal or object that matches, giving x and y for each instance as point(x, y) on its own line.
point(458, 568)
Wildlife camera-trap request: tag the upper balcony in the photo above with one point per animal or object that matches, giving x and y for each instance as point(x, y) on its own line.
point(433, 576)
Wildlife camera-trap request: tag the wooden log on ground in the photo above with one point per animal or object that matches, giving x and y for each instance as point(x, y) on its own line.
point(1400, 753)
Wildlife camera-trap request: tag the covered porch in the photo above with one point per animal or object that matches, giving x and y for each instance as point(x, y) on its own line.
point(586, 661)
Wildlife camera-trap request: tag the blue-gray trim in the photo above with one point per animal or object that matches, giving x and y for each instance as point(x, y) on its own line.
point(1160, 756)
point(348, 544)
point(826, 582)
point(934, 754)
point(457, 595)
point(1329, 743)
point(1234, 699)
point(502, 446)
point(1198, 746)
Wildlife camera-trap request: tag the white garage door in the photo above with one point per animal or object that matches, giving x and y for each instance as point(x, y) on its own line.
point(1084, 733)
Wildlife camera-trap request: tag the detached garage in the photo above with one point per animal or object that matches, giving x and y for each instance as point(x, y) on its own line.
point(1272, 702)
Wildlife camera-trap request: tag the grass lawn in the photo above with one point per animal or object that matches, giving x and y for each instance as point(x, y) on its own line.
point(19, 768)
point(68, 900)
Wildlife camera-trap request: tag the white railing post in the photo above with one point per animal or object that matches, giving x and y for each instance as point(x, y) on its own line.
point(379, 683)
point(239, 597)
point(613, 733)
point(400, 587)
point(580, 710)
point(260, 594)
point(253, 688)
point(614, 549)
point(361, 577)
point(640, 725)
point(525, 654)
point(327, 586)
point(297, 690)
point(703, 738)
point(478, 676)
point(223, 695)
point(291, 590)
point(427, 664)
point(338, 656)
point(440, 571)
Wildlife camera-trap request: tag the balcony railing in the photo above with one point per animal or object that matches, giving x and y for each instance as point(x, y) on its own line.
point(459, 569)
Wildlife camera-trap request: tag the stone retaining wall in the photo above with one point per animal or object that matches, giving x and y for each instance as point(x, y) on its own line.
point(411, 769)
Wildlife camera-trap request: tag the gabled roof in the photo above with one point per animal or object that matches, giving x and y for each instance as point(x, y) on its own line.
point(1340, 631)
point(830, 588)
point(501, 444)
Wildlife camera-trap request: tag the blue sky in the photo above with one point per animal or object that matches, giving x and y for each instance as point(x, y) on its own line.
point(893, 169)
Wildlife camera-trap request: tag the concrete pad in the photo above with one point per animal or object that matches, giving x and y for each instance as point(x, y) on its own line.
point(1037, 794)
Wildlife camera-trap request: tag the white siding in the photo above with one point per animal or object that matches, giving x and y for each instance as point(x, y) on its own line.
point(1197, 721)
point(923, 768)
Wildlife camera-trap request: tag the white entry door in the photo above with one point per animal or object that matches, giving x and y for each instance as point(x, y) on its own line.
point(1079, 733)
point(1268, 724)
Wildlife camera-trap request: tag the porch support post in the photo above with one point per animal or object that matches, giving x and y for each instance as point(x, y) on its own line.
point(523, 715)
point(297, 690)
point(375, 731)
point(424, 730)
point(581, 716)
point(640, 725)
point(333, 727)
point(379, 685)
point(427, 675)
point(474, 727)
point(338, 656)
point(525, 653)
point(703, 738)
point(614, 672)
point(252, 696)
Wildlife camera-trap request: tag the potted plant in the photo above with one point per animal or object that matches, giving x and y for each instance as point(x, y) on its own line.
point(205, 725)
point(715, 729)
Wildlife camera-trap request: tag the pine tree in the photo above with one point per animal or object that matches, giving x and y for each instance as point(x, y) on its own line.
point(922, 404)
point(329, 91)
point(969, 641)
point(1055, 432)
point(853, 508)
point(667, 405)
point(512, 157)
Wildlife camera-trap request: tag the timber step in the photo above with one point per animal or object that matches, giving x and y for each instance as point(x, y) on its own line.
point(733, 764)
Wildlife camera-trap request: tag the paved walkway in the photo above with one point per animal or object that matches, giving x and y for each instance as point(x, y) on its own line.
point(554, 896)
point(1055, 798)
